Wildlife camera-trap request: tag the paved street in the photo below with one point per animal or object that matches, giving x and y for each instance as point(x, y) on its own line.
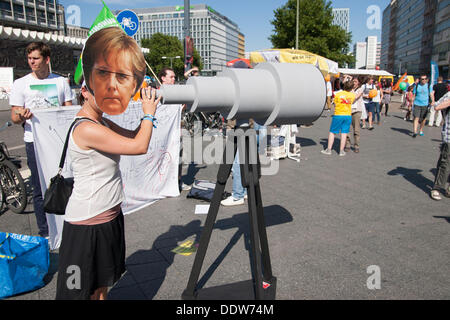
point(329, 218)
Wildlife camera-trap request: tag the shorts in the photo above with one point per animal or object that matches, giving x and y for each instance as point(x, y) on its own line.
point(370, 107)
point(340, 124)
point(420, 112)
point(90, 257)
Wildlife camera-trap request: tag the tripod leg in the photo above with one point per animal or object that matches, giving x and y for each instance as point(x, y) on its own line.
point(222, 177)
point(267, 267)
point(255, 242)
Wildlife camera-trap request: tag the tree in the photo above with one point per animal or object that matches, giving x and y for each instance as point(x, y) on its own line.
point(162, 45)
point(317, 34)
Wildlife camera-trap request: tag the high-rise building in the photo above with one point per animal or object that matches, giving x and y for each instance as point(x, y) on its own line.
point(367, 54)
point(371, 60)
point(414, 32)
point(216, 37)
point(360, 54)
point(35, 15)
point(341, 17)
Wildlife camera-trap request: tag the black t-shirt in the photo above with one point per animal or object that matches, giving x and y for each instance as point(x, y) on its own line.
point(439, 90)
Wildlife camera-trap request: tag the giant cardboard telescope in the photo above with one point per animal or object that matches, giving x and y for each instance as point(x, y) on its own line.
point(271, 93)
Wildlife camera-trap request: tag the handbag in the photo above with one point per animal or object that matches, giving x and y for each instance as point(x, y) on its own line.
point(58, 192)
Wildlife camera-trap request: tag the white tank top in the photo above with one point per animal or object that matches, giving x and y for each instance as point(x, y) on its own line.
point(97, 182)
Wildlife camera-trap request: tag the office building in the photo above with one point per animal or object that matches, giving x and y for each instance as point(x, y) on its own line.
point(371, 58)
point(367, 54)
point(216, 38)
point(441, 39)
point(360, 54)
point(36, 15)
point(414, 33)
point(341, 17)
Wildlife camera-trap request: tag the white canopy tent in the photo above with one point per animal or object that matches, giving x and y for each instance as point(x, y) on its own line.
point(364, 72)
point(9, 33)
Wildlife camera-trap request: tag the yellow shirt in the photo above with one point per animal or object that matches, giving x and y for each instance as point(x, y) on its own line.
point(343, 101)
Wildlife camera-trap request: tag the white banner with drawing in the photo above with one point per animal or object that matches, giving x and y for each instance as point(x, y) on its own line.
point(146, 178)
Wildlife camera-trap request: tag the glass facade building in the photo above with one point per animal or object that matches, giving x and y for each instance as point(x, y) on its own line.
point(341, 17)
point(37, 15)
point(216, 37)
point(415, 32)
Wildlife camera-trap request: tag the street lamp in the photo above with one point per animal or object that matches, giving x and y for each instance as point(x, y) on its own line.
point(296, 26)
point(171, 60)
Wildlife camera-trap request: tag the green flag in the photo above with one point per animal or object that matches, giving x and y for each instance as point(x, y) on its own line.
point(105, 19)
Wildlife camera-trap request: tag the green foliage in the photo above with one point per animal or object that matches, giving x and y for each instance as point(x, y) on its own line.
point(162, 45)
point(317, 34)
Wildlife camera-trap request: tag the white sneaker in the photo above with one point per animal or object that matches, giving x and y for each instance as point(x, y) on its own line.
point(186, 187)
point(230, 201)
point(342, 153)
point(326, 151)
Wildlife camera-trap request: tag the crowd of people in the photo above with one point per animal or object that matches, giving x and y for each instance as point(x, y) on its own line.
point(114, 69)
point(363, 98)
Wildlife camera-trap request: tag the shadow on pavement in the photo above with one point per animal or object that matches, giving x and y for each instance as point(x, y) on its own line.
point(443, 217)
point(147, 269)
point(413, 176)
point(401, 130)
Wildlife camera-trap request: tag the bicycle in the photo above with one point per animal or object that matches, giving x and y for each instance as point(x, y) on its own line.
point(13, 190)
point(195, 122)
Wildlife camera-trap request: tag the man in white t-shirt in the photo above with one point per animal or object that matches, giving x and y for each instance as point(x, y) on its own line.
point(38, 89)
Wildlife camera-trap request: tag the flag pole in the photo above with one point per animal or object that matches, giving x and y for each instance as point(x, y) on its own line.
point(153, 72)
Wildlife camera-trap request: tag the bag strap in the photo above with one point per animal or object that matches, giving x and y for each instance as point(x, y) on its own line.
point(66, 143)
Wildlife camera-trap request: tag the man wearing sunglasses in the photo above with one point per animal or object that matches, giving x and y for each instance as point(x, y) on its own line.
point(422, 99)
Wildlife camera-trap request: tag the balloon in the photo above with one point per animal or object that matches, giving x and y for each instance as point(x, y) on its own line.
point(373, 93)
point(137, 96)
point(403, 86)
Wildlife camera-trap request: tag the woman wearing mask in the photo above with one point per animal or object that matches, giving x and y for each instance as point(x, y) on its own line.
point(93, 235)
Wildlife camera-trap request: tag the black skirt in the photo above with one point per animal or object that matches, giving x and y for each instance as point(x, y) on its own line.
point(90, 257)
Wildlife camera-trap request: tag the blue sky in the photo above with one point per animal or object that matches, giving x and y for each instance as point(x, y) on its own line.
point(252, 16)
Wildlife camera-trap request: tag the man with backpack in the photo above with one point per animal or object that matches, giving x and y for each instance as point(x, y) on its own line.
point(422, 99)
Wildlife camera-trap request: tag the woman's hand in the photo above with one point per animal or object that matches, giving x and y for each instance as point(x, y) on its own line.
point(149, 101)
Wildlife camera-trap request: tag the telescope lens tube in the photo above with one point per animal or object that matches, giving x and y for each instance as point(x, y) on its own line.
point(272, 93)
point(301, 93)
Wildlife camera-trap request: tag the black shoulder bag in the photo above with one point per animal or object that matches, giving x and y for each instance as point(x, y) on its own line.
point(58, 192)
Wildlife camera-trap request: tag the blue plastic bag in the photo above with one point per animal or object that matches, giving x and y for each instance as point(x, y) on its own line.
point(24, 262)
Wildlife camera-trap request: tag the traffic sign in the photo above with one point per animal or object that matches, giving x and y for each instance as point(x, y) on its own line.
point(129, 21)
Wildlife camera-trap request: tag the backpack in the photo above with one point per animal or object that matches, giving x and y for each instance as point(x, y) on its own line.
point(204, 190)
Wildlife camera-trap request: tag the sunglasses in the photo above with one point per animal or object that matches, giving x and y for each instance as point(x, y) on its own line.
point(423, 78)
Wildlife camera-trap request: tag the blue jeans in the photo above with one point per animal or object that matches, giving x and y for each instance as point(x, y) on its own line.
point(38, 200)
point(376, 112)
point(238, 190)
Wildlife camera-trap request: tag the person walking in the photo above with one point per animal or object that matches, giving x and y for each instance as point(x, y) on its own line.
point(357, 108)
point(439, 90)
point(409, 103)
point(342, 118)
point(443, 166)
point(329, 94)
point(93, 238)
point(386, 87)
point(377, 101)
point(38, 89)
point(368, 100)
point(421, 102)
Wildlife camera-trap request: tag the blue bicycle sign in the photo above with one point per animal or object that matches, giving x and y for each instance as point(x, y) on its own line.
point(129, 21)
